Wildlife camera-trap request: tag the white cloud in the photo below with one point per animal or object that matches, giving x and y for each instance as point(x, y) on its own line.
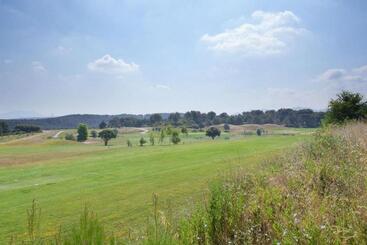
point(63, 50)
point(270, 33)
point(38, 66)
point(162, 86)
point(356, 75)
point(109, 65)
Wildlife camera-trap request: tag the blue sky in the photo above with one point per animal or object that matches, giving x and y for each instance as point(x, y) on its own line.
point(143, 56)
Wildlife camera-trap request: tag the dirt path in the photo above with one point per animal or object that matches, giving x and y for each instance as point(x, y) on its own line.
point(57, 134)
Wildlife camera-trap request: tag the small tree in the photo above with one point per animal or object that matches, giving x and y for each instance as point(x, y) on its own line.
point(94, 133)
point(142, 141)
point(226, 127)
point(212, 132)
point(151, 138)
point(162, 135)
point(102, 125)
point(259, 131)
point(106, 135)
point(184, 131)
point(129, 143)
point(175, 139)
point(82, 132)
point(347, 106)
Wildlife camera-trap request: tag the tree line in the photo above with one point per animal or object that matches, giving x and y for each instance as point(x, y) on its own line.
point(305, 118)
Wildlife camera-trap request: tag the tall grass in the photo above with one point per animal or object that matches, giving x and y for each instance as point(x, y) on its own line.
point(316, 193)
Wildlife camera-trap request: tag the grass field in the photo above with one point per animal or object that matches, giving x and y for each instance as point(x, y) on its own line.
point(116, 181)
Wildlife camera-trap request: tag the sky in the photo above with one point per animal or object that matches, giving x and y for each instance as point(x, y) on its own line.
point(144, 56)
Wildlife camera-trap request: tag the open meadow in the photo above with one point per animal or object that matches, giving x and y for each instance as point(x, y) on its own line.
point(117, 182)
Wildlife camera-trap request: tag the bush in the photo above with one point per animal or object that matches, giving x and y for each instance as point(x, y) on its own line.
point(69, 136)
point(175, 138)
point(226, 127)
point(129, 143)
point(94, 133)
point(142, 141)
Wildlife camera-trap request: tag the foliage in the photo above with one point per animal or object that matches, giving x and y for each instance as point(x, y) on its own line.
point(82, 132)
point(69, 136)
point(4, 128)
point(102, 125)
point(175, 138)
point(347, 106)
point(260, 131)
point(107, 134)
point(226, 127)
point(155, 119)
point(142, 141)
point(151, 138)
point(94, 133)
point(27, 129)
point(162, 135)
point(129, 143)
point(184, 131)
point(212, 132)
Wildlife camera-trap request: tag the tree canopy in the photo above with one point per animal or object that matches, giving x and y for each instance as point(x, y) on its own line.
point(212, 132)
point(347, 106)
point(82, 132)
point(107, 134)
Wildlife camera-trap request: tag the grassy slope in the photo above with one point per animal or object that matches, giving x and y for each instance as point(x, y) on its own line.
point(116, 182)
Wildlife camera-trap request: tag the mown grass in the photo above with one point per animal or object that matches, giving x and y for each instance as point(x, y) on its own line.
point(116, 182)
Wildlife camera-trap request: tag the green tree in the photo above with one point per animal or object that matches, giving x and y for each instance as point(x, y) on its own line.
point(142, 141)
point(175, 138)
point(82, 132)
point(3, 128)
point(102, 125)
point(347, 106)
point(184, 131)
point(151, 138)
point(94, 133)
point(162, 135)
point(212, 132)
point(155, 119)
point(106, 135)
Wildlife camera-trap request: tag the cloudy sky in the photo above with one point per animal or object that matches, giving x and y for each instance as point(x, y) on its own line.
point(143, 56)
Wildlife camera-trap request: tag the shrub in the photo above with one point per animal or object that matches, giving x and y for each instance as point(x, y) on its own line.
point(175, 138)
point(69, 136)
point(129, 143)
point(142, 141)
point(94, 133)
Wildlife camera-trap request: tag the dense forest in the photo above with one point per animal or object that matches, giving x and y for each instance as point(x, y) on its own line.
point(291, 118)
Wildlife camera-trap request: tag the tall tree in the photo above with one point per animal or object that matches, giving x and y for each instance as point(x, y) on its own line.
point(155, 119)
point(82, 132)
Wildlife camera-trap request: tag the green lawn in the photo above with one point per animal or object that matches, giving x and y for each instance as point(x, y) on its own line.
point(117, 182)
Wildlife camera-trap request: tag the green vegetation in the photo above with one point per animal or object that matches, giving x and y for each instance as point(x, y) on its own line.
point(4, 128)
point(347, 106)
point(107, 134)
point(116, 182)
point(82, 132)
point(212, 132)
point(27, 129)
point(175, 138)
